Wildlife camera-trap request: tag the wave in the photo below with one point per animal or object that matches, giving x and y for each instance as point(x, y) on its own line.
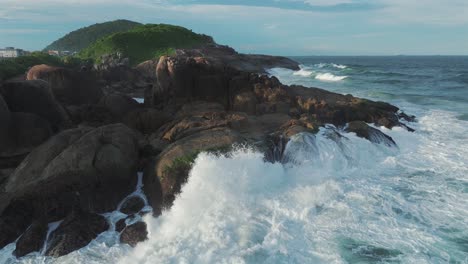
point(331, 65)
point(329, 77)
point(303, 72)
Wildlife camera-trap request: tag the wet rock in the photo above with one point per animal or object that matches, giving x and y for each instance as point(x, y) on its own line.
point(14, 220)
point(164, 177)
point(94, 169)
point(132, 205)
point(32, 240)
point(120, 225)
point(133, 234)
point(76, 231)
point(363, 130)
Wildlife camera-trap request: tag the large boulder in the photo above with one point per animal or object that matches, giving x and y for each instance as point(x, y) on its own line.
point(374, 135)
point(133, 234)
point(92, 169)
point(32, 240)
point(25, 132)
point(164, 178)
point(69, 87)
point(146, 120)
point(35, 97)
point(76, 231)
point(118, 104)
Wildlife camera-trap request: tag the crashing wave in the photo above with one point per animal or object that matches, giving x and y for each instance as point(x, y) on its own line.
point(329, 77)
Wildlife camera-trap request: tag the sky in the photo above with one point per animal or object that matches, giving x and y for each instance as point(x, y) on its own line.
point(277, 27)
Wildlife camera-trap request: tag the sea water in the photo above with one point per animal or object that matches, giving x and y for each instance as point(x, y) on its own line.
point(335, 200)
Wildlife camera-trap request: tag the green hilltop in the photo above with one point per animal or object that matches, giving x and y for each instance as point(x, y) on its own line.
point(145, 42)
point(79, 39)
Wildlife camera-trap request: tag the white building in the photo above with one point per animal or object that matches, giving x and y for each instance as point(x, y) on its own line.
point(10, 52)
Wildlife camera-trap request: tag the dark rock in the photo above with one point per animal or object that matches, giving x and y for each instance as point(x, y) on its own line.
point(25, 132)
point(132, 205)
point(92, 169)
point(373, 135)
point(35, 97)
point(69, 87)
point(32, 240)
point(119, 105)
point(146, 120)
point(133, 234)
point(120, 225)
point(76, 231)
point(14, 220)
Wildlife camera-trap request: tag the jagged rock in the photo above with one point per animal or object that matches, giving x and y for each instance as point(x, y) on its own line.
point(363, 130)
point(76, 231)
point(132, 206)
point(92, 169)
point(4, 121)
point(133, 234)
point(35, 97)
point(164, 177)
point(245, 102)
point(68, 86)
point(32, 240)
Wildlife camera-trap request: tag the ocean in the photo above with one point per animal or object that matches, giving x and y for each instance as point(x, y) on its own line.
point(346, 201)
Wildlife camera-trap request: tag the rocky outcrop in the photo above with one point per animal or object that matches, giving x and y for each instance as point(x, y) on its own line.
point(75, 232)
point(118, 104)
point(69, 87)
point(243, 62)
point(35, 97)
point(133, 234)
point(164, 178)
point(363, 130)
point(92, 169)
point(132, 205)
point(32, 240)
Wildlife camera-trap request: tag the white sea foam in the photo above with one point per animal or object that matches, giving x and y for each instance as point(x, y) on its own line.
point(329, 77)
point(303, 72)
point(331, 65)
point(335, 202)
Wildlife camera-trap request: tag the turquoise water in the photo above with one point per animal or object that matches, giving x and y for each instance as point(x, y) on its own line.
point(345, 201)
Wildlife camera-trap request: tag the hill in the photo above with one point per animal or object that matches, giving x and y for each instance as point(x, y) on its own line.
point(145, 42)
point(82, 38)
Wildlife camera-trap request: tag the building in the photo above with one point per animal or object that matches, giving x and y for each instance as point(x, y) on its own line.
point(11, 52)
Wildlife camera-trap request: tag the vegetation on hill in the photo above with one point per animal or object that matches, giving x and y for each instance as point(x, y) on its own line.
point(145, 42)
point(10, 68)
point(82, 38)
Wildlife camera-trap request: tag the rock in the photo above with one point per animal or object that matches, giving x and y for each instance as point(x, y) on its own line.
point(164, 177)
point(91, 115)
point(14, 220)
point(4, 121)
point(119, 105)
point(133, 234)
point(91, 169)
point(120, 225)
point(245, 102)
point(35, 97)
point(76, 231)
point(25, 132)
point(32, 240)
point(148, 69)
point(146, 120)
point(132, 206)
point(69, 87)
point(373, 135)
